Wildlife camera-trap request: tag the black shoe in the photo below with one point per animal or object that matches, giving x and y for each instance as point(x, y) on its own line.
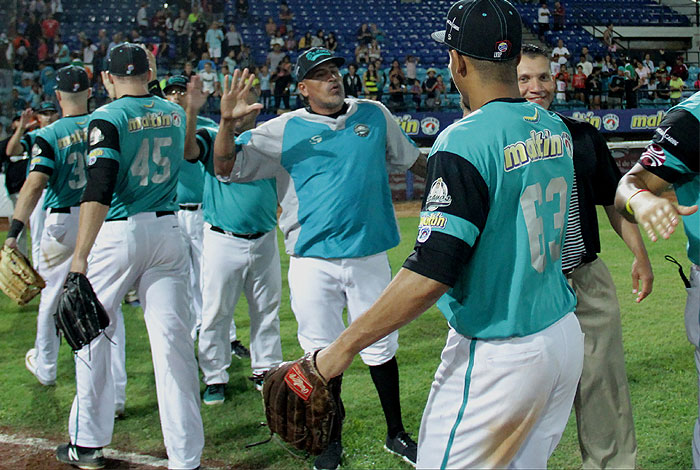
point(329, 458)
point(258, 380)
point(403, 446)
point(238, 350)
point(81, 457)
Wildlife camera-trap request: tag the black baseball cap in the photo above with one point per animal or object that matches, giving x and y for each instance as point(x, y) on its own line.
point(46, 107)
point(313, 57)
point(127, 59)
point(72, 79)
point(483, 29)
point(177, 81)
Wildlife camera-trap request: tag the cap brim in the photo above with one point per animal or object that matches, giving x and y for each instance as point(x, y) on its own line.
point(168, 87)
point(439, 36)
point(339, 61)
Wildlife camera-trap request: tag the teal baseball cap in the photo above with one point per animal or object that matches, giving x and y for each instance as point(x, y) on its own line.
point(177, 81)
point(313, 57)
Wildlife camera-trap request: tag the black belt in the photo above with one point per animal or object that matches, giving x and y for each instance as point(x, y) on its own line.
point(60, 210)
point(190, 207)
point(246, 236)
point(158, 214)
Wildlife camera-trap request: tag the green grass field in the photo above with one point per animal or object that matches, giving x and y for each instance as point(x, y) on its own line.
point(659, 366)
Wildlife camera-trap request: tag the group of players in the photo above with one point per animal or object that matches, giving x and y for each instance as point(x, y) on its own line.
point(143, 193)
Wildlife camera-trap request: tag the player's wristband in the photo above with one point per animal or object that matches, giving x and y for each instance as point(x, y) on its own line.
point(627, 204)
point(16, 228)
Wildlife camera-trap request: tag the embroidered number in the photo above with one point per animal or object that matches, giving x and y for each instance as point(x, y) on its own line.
point(140, 166)
point(78, 178)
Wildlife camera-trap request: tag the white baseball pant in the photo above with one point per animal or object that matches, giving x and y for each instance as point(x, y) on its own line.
point(501, 403)
point(692, 328)
point(57, 245)
point(144, 251)
point(231, 265)
point(191, 227)
point(321, 288)
point(36, 228)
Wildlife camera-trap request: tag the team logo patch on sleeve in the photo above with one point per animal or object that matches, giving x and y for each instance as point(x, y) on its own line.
point(423, 234)
point(36, 150)
point(362, 130)
point(299, 384)
point(653, 156)
point(438, 196)
point(96, 136)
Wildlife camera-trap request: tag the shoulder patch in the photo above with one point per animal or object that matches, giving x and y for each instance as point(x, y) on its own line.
point(438, 196)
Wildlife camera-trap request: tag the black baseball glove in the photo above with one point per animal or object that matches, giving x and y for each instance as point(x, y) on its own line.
point(80, 315)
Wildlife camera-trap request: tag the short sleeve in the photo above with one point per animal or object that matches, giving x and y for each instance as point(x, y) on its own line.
point(401, 151)
point(42, 157)
point(103, 141)
point(674, 149)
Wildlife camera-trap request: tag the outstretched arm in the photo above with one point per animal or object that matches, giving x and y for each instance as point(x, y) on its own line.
point(194, 102)
point(14, 145)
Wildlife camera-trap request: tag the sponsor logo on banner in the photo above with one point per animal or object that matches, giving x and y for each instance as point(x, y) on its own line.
point(299, 384)
point(611, 122)
point(409, 125)
point(430, 125)
point(438, 196)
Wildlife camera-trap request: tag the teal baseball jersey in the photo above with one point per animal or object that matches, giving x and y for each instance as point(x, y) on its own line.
point(243, 208)
point(190, 184)
point(59, 151)
point(674, 155)
point(494, 219)
point(142, 138)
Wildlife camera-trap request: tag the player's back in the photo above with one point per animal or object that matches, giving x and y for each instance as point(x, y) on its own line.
point(150, 135)
point(513, 284)
point(64, 161)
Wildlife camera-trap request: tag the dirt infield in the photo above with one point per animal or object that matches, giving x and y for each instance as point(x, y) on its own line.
point(407, 208)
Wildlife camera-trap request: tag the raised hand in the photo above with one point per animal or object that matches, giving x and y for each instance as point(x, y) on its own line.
point(196, 97)
point(657, 215)
point(233, 98)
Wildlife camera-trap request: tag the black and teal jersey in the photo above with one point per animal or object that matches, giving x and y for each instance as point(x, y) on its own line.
point(190, 184)
point(59, 151)
point(493, 220)
point(244, 208)
point(141, 138)
point(674, 155)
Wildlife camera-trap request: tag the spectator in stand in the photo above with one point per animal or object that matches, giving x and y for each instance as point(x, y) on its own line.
point(214, 39)
point(89, 50)
point(396, 94)
point(676, 85)
point(561, 51)
point(277, 39)
point(562, 81)
point(290, 41)
point(47, 78)
point(282, 84)
point(383, 81)
point(396, 71)
point(204, 60)
point(62, 53)
point(319, 40)
point(34, 98)
point(182, 29)
point(352, 82)
point(651, 88)
point(275, 56)
point(242, 8)
point(609, 38)
point(679, 69)
point(642, 72)
point(585, 52)
point(265, 78)
point(663, 67)
point(429, 86)
point(411, 65)
point(210, 85)
point(158, 21)
point(18, 104)
point(305, 42)
point(416, 92)
point(594, 88)
point(370, 82)
point(696, 83)
point(362, 54)
point(285, 13)
point(377, 33)
point(585, 65)
point(42, 51)
point(117, 38)
point(578, 83)
point(609, 66)
point(543, 15)
point(331, 42)
point(374, 51)
point(554, 65)
point(270, 26)
point(648, 63)
point(230, 59)
point(162, 52)
point(663, 91)
point(56, 9)
point(631, 87)
point(244, 59)
point(559, 16)
point(198, 49)
point(440, 91)
point(234, 40)
point(616, 90)
point(189, 70)
point(142, 18)
point(364, 35)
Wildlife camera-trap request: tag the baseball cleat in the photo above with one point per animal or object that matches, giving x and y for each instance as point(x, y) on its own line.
point(258, 380)
point(403, 446)
point(30, 363)
point(329, 458)
point(238, 350)
point(119, 412)
point(214, 394)
point(81, 457)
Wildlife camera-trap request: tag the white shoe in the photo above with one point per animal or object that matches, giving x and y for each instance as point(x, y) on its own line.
point(30, 363)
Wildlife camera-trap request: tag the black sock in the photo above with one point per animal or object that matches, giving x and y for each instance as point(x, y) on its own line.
point(386, 381)
point(336, 431)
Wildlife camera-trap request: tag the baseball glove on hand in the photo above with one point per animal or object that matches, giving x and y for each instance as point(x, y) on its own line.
point(18, 279)
point(299, 404)
point(80, 315)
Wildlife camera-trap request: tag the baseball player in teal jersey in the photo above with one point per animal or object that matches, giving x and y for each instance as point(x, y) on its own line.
point(127, 213)
point(240, 255)
point(331, 161)
point(488, 252)
point(57, 164)
point(672, 159)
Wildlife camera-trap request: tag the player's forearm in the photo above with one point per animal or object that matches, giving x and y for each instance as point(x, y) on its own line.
point(635, 186)
point(225, 147)
point(628, 232)
point(408, 295)
point(92, 216)
point(28, 196)
point(14, 145)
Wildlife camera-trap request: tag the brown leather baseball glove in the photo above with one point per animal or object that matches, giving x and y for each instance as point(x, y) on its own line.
point(18, 279)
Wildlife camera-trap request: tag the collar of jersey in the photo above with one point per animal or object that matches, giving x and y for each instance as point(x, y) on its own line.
point(147, 95)
point(342, 111)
